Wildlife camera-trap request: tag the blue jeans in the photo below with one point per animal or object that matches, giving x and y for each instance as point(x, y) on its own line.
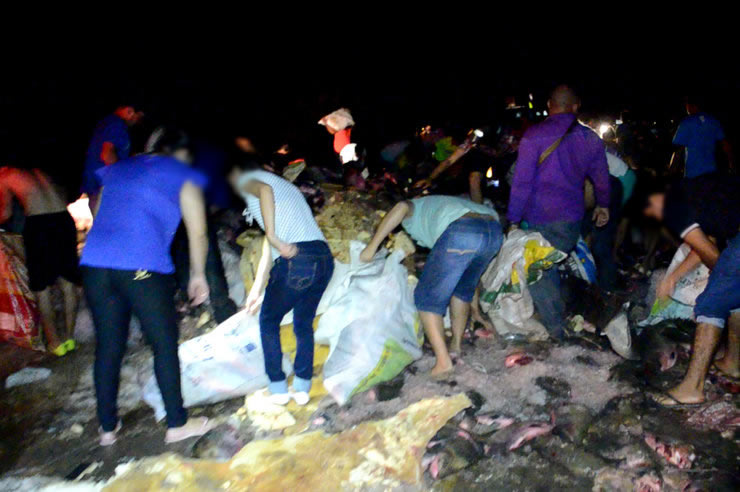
point(722, 294)
point(296, 284)
point(546, 292)
point(457, 261)
point(113, 295)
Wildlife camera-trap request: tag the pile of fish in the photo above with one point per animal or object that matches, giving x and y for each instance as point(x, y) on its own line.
point(470, 437)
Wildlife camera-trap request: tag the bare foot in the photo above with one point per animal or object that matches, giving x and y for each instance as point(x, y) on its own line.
point(686, 395)
point(727, 368)
point(442, 367)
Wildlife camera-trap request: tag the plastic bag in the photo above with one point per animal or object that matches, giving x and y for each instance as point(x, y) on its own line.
point(19, 315)
point(504, 296)
point(223, 364)
point(372, 328)
point(581, 262)
point(693, 283)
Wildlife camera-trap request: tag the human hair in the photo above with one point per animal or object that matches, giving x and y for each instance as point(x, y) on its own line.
point(244, 162)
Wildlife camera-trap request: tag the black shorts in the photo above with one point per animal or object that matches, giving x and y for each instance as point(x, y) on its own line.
point(51, 249)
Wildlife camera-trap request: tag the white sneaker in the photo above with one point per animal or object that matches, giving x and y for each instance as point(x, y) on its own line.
point(109, 438)
point(300, 397)
point(281, 399)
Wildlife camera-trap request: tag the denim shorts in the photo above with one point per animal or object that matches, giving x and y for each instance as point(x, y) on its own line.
point(722, 294)
point(457, 261)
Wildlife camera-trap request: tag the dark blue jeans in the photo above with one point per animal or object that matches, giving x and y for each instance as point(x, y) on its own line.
point(457, 261)
point(296, 284)
point(546, 292)
point(603, 238)
point(112, 296)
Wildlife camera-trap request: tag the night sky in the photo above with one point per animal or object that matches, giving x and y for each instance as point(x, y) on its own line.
point(47, 112)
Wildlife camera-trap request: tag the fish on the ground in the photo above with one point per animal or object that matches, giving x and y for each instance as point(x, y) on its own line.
point(514, 436)
point(649, 483)
point(517, 359)
point(452, 449)
point(679, 455)
point(220, 443)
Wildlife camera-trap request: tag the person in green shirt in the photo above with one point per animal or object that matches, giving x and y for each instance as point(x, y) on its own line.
point(463, 237)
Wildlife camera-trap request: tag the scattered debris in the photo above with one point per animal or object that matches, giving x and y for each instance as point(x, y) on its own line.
point(27, 375)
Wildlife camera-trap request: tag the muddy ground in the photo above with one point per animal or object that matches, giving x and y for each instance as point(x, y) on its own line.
point(597, 400)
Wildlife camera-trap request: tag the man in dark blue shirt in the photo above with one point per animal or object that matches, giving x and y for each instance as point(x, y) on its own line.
point(109, 144)
point(699, 134)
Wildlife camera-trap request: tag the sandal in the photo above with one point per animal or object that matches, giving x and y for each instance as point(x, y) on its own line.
point(70, 345)
point(665, 400)
point(61, 350)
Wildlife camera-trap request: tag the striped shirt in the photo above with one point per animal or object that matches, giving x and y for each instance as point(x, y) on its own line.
point(294, 222)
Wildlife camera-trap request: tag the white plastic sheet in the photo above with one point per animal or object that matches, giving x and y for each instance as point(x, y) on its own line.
point(223, 364)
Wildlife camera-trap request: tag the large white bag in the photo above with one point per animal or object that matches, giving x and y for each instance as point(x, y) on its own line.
point(226, 363)
point(693, 283)
point(372, 328)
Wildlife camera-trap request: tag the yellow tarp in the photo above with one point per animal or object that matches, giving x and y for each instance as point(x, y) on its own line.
point(384, 453)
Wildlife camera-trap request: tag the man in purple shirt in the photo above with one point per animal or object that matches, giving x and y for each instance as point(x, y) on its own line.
point(556, 157)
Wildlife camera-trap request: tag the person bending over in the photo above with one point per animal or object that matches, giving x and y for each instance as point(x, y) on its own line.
point(705, 213)
point(464, 237)
point(50, 241)
point(127, 269)
point(297, 259)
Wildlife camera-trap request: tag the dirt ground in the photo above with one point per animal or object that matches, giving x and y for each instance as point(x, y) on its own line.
point(49, 428)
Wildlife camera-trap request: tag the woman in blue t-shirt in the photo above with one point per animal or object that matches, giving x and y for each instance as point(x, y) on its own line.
point(127, 269)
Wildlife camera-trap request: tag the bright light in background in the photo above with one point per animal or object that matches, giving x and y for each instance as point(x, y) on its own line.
point(80, 212)
point(489, 173)
point(603, 129)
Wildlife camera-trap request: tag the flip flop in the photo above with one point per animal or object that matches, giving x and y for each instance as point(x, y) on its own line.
point(61, 350)
point(665, 400)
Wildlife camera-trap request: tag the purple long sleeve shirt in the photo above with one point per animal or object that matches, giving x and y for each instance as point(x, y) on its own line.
point(553, 191)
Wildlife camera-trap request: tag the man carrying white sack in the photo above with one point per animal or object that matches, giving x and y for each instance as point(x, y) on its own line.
point(464, 237)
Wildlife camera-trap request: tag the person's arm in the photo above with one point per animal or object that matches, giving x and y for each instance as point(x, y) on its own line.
point(703, 246)
point(523, 182)
point(668, 284)
point(254, 299)
point(193, 209)
point(443, 166)
point(6, 204)
point(474, 180)
point(598, 172)
point(96, 205)
point(727, 149)
point(391, 220)
point(108, 153)
point(266, 197)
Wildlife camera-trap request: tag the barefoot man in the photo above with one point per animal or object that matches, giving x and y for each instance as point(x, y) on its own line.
point(704, 212)
point(50, 240)
point(464, 237)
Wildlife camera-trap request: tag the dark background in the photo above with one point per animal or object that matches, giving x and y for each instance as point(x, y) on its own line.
point(47, 113)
